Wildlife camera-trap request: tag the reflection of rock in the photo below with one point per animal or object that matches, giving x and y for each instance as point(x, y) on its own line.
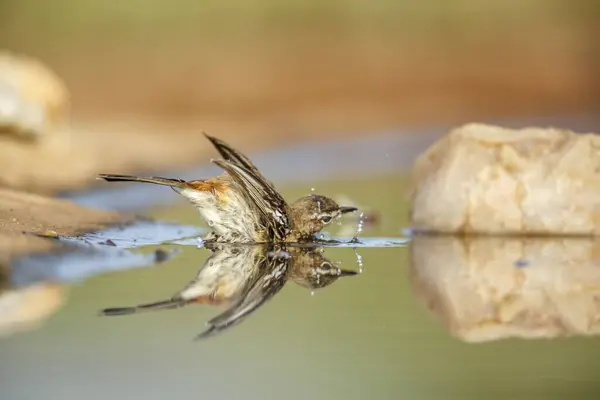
point(489, 288)
point(492, 180)
point(26, 308)
point(33, 100)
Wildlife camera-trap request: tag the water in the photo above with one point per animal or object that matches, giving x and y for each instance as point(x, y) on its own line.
point(425, 318)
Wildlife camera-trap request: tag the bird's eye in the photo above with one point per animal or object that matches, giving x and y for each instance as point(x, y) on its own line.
point(326, 266)
point(326, 219)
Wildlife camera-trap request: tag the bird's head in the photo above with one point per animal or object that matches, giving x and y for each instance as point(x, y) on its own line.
point(313, 212)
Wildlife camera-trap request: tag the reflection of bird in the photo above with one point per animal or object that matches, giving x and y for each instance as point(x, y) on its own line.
point(241, 205)
point(312, 270)
point(243, 278)
point(265, 285)
point(220, 281)
point(306, 267)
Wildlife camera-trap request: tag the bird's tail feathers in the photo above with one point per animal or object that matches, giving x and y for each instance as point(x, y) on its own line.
point(153, 179)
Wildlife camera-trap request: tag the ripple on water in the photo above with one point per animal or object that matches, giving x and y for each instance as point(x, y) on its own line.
point(122, 247)
point(80, 257)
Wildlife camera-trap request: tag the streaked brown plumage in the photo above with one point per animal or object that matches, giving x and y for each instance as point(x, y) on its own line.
point(242, 206)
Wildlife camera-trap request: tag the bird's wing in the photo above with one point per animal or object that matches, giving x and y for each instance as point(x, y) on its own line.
point(235, 157)
point(268, 201)
point(269, 282)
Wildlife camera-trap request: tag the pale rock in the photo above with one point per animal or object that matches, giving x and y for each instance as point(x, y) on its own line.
point(492, 180)
point(490, 288)
point(37, 149)
point(34, 101)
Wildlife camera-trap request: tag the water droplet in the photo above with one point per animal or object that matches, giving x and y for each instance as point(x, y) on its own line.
point(359, 227)
point(312, 189)
point(359, 261)
point(312, 293)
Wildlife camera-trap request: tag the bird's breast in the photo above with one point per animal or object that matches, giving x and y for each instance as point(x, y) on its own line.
point(226, 210)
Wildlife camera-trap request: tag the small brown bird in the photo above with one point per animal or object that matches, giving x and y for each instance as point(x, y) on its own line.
point(242, 206)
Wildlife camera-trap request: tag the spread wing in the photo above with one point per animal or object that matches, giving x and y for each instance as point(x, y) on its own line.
point(235, 157)
point(271, 205)
point(275, 215)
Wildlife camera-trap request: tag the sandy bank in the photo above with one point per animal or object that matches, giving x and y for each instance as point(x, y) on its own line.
point(23, 213)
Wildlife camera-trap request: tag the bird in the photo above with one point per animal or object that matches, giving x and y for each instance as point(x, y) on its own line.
point(241, 279)
point(242, 206)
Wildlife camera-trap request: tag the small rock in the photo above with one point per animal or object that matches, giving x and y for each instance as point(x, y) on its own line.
point(49, 234)
point(34, 101)
point(161, 255)
point(492, 180)
point(37, 152)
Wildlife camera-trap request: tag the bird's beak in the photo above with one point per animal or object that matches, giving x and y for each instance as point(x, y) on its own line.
point(347, 272)
point(346, 209)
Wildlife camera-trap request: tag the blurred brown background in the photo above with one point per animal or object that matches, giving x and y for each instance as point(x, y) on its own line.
point(351, 64)
point(294, 70)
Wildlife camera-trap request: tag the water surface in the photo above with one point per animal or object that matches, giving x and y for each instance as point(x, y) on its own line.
point(428, 319)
